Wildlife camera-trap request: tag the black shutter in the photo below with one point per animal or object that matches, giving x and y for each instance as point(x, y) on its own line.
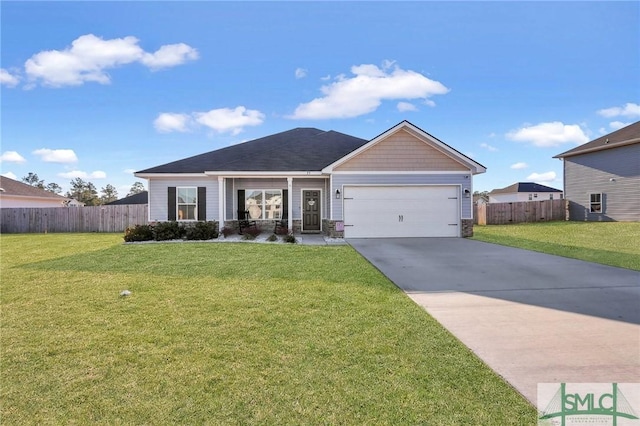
point(285, 204)
point(202, 203)
point(241, 205)
point(171, 203)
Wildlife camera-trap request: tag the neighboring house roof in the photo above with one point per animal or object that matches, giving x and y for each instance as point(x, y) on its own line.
point(139, 198)
point(300, 149)
point(20, 189)
point(524, 187)
point(625, 136)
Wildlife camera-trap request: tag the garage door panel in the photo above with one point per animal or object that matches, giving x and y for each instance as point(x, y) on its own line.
point(410, 211)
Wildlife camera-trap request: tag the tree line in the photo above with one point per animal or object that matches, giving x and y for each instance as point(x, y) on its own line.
point(83, 191)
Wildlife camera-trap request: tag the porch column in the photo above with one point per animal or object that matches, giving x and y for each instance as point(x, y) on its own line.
point(221, 202)
point(290, 204)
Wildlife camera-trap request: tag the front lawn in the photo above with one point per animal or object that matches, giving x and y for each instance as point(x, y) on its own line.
point(609, 243)
point(230, 333)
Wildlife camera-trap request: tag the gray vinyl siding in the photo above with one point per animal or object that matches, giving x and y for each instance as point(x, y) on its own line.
point(339, 180)
point(158, 195)
point(592, 173)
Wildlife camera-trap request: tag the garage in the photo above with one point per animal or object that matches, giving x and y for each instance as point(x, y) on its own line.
point(401, 211)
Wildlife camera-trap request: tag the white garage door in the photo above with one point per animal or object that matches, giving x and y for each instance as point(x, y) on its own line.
point(401, 211)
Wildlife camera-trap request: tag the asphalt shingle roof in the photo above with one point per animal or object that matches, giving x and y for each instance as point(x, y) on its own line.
point(13, 187)
point(139, 198)
point(613, 139)
point(300, 149)
point(524, 187)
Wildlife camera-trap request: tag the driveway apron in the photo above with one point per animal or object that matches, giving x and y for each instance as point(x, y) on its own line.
point(532, 317)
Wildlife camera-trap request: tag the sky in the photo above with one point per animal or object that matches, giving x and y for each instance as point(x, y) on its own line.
point(98, 90)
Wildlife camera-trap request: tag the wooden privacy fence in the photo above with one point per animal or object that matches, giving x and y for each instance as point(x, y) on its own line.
point(519, 212)
point(72, 219)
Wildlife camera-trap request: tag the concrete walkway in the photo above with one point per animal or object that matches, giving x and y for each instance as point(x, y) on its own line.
point(318, 240)
point(533, 318)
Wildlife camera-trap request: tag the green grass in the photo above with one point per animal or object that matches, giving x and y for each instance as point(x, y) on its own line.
point(609, 243)
point(226, 334)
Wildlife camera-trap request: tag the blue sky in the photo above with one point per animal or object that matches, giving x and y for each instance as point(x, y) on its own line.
point(100, 89)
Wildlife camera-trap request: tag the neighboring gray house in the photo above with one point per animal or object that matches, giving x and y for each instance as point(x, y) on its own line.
point(402, 183)
point(524, 191)
point(602, 177)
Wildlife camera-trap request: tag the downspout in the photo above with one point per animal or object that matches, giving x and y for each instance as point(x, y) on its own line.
point(290, 204)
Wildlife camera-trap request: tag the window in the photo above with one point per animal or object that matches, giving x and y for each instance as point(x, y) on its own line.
point(535, 195)
point(551, 196)
point(530, 197)
point(595, 203)
point(264, 203)
point(187, 200)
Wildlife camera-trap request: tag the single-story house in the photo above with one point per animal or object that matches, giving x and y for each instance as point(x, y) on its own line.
point(19, 194)
point(524, 191)
point(479, 199)
point(602, 177)
point(139, 198)
point(402, 183)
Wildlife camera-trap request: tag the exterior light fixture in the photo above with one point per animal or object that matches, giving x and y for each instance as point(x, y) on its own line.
point(467, 193)
point(337, 194)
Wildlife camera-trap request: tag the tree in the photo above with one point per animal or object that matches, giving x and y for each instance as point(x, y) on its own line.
point(33, 180)
point(109, 194)
point(53, 187)
point(85, 192)
point(136, 188)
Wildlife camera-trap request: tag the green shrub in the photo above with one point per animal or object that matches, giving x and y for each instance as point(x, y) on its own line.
point(201, 230)
point(272, 238)
point(164, 231)
point(251, 233)
point(226, 231)
point(289, 238)
point(138, 233)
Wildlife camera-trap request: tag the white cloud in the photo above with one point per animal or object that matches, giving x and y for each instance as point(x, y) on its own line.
point(549, 134)
point(170, 55)
point(301, 73)
point(406, 106)
point(8, 79)
point(546, 177)
point(488, 147)
point(363, 93)
point(222, 120)
point(98, 174)
point(519, 166)
point(615, 125)
point(129, 171)
point(89, 57)
point(56, 155)
point(11, 157)
point(326, 77)
point(627, 110)
point(10, 175)
point(227, 120)
point(170, 122)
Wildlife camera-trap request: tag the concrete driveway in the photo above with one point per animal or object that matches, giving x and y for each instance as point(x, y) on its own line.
point(533, 318)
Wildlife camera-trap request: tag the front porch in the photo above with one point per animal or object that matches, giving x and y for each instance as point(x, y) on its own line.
point(302, 202)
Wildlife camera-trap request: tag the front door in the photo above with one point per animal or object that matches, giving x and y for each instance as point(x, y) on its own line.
point(311, 210)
